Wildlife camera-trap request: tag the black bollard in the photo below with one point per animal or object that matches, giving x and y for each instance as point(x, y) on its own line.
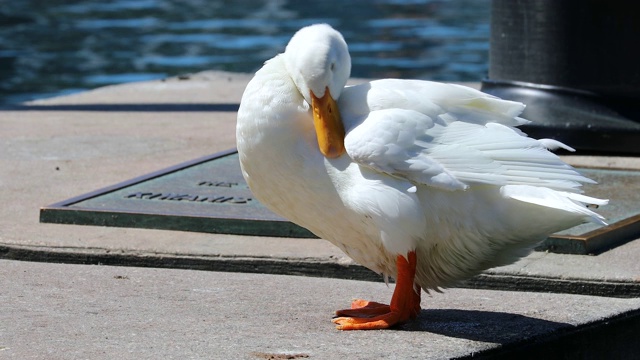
point(576, 64)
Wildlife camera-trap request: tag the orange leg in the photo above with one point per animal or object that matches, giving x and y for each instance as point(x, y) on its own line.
point(405, 303)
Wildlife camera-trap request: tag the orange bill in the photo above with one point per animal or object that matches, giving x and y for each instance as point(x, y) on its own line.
point(328, 124)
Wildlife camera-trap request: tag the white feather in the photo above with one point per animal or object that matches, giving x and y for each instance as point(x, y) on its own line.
point(447, 144)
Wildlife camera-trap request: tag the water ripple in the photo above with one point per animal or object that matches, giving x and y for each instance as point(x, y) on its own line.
point(50, 47)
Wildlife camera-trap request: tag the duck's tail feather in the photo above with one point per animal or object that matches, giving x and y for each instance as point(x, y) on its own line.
point(570, 202)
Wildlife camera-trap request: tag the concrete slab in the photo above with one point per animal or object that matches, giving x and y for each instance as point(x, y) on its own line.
point(59, 311)
point(54, 149)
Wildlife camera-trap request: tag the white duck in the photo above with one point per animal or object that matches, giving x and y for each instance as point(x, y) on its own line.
point(425, 182)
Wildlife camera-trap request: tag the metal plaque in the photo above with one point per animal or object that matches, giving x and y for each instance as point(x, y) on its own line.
point(210, 195)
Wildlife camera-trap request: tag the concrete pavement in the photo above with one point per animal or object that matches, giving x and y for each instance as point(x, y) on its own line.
point(53, 149)
point(59, 311)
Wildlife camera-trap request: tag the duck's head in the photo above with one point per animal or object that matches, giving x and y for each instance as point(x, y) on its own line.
point(317, 58)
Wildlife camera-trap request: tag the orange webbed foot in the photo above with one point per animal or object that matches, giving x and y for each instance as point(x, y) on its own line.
point(370, 315)
point(364, 308)
point(382, 321)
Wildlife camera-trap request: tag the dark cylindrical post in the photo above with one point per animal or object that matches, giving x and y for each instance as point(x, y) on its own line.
point(576, 64)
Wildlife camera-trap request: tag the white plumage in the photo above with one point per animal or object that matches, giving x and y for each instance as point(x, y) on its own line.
point(436, 169)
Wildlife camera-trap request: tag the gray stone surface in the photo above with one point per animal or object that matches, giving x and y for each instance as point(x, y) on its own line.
point(58, 148)
point(58, 311)
point(51, 155)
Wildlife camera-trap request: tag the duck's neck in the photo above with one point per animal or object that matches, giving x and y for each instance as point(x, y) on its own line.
point(272, 112)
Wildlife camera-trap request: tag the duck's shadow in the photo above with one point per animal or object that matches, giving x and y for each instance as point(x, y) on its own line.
point(485, 326)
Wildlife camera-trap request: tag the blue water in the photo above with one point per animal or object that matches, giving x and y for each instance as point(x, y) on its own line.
point(53, 47)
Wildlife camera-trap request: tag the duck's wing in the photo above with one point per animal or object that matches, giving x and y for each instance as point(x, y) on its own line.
point(448, 136)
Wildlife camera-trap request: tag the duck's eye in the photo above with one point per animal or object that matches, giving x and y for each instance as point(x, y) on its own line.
point(333, 66)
